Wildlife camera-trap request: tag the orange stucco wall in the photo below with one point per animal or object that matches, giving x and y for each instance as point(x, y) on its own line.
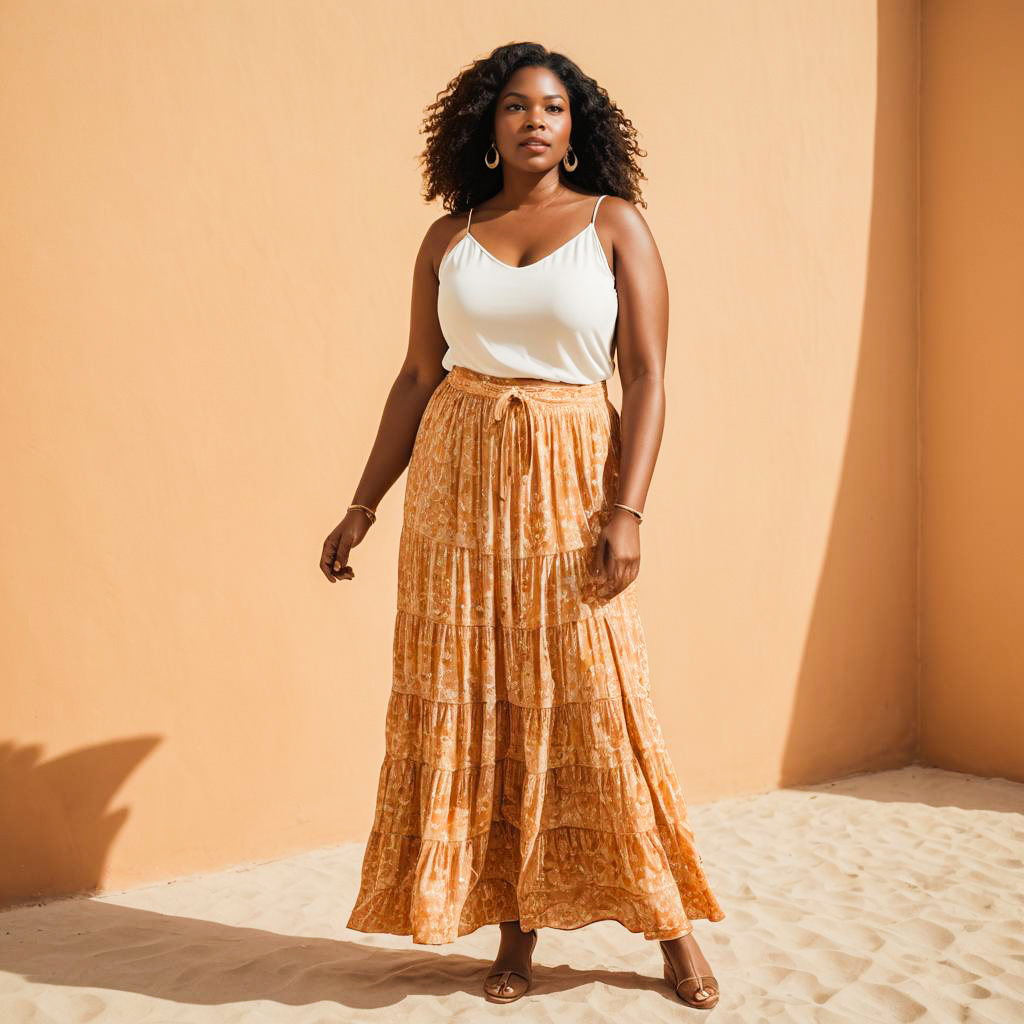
point(972, 411)
point(210, 215)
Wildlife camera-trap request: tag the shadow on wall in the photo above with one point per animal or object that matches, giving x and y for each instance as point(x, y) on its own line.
point(855, 703)
point(56, 818)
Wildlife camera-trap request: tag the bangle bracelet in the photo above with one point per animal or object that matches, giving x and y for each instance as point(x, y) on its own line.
point(370, 514)
point(636, 513)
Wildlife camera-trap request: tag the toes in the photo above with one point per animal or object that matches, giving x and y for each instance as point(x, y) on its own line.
point(504, 984)
point(704, 993)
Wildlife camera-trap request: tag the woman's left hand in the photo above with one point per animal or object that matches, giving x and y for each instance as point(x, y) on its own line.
point(615, 562)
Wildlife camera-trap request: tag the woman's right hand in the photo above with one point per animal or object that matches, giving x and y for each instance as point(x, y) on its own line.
point(340, 541)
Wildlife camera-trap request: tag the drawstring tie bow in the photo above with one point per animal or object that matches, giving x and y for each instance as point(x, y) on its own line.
point(501, 407)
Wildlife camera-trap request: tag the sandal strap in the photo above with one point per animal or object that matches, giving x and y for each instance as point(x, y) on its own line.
point(699, 978)
point(504, 975)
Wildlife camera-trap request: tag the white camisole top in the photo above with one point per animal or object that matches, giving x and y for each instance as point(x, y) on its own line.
point(554, 319)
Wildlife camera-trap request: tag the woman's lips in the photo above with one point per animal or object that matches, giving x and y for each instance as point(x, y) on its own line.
point(536, 147)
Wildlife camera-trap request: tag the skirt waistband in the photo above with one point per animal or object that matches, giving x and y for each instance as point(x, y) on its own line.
point(559, 392)
point(528, 392)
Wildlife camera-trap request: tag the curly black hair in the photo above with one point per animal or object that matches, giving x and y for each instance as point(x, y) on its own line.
point(460, 122)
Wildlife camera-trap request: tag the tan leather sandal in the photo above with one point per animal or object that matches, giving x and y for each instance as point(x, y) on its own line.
point(505, 990)
point(704, 996)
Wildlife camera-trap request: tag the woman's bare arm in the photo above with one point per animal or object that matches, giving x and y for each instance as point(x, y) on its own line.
point(641, 343)
point(417, 379)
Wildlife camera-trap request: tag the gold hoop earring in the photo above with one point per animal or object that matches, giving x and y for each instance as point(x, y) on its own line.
point(565, 160)
point(497, 157)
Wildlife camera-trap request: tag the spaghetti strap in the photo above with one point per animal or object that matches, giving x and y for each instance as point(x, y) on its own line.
point(596, 205)
point(468, 219)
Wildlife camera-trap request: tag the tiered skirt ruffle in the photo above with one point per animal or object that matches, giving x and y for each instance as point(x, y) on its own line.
point(525, 774)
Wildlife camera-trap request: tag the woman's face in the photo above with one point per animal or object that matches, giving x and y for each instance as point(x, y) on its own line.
point(533, 103)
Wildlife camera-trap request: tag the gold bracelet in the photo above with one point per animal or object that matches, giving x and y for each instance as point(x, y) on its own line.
point(637, 514)
point(371, 515)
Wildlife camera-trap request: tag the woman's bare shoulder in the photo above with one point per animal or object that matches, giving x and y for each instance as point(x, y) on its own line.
point(621, 213)
point(440, 235)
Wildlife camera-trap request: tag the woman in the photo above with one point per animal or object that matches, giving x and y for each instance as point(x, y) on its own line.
point(525, 780)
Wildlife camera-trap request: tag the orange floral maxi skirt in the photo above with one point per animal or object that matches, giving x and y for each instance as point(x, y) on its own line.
point(525, 774)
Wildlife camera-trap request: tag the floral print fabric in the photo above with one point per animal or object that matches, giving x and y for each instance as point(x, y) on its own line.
point(525, 774)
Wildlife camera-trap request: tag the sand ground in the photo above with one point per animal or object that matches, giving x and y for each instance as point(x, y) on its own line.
point(887, 897)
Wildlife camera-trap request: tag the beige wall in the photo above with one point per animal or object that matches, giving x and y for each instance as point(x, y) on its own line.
point(972, 407)
point(209, 227)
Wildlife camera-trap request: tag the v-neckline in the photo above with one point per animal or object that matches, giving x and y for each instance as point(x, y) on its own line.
point(528, 266)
